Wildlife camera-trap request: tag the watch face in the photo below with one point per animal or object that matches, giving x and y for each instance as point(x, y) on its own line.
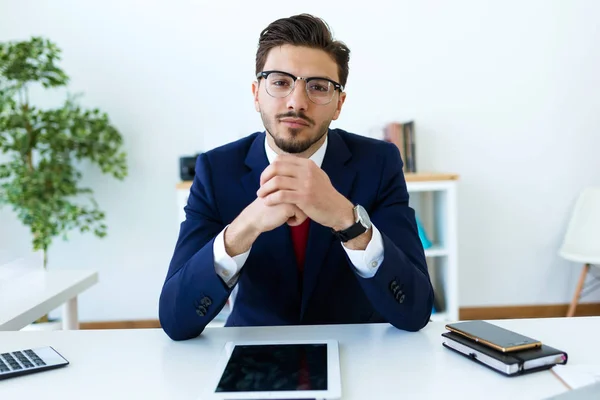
point(363, 216)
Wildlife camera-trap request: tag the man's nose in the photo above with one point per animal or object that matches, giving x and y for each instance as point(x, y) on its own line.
point(298, 99)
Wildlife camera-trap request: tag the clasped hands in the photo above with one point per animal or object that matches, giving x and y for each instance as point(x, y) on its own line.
point(295, 188)
point(291, 190)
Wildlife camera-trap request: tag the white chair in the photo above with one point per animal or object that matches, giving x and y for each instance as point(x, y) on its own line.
point(581, 243)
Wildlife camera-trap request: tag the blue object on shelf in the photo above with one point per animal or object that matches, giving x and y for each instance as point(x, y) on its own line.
point(423, 236)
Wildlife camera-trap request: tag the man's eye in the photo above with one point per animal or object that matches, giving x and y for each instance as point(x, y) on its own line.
point(318, 88)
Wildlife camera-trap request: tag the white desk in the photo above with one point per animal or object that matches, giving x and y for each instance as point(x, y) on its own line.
point(378, 362)
point(30, 296)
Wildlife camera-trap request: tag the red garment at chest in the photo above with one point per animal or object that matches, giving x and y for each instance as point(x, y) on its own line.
point(299, 241)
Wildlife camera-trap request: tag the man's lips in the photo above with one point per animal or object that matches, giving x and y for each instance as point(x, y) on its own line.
point(294, 122)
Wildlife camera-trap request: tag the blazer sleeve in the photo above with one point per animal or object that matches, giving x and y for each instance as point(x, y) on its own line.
point(193, 294)
point(401, 290)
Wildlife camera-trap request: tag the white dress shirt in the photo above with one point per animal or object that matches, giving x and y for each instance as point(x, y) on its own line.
point(366, 262)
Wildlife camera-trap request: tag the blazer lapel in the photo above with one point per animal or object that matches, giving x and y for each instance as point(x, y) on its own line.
point(256, 161)
point(320, 238)
point(279, 240)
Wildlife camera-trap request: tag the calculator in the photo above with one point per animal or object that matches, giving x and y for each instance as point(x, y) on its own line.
point(29, 361)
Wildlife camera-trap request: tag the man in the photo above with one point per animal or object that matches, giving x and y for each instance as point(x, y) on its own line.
point(300, 224)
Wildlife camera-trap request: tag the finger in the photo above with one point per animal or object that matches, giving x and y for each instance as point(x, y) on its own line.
point(298, 218)
point(279, 167)
point(281, 197)
point(277, 183)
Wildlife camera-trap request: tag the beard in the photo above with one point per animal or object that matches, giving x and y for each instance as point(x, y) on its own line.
point(295, 144)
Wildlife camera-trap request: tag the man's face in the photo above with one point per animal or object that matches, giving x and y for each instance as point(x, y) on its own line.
point(295, 123)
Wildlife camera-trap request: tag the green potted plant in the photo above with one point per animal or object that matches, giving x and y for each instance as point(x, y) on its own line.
point(41, 149)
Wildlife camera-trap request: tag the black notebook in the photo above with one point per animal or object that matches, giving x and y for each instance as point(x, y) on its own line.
point(511, 364)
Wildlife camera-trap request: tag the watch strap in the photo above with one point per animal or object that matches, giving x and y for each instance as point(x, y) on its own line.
point(350, 233)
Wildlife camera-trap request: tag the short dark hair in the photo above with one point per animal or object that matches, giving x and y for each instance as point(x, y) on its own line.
point(303, 30)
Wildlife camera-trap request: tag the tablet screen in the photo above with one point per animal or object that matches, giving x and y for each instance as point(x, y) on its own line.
point(276, 367)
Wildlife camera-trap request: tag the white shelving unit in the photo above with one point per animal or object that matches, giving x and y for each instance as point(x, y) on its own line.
point(433, 196)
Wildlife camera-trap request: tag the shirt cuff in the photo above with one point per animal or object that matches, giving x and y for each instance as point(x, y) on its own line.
point(227, 267)
point(367, 261)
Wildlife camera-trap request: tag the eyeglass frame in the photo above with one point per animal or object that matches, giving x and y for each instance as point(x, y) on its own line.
point(265, 75)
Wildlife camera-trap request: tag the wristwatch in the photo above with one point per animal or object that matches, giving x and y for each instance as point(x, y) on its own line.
point(361, 225)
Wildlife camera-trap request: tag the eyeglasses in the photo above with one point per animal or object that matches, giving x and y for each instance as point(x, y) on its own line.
point(280, 84)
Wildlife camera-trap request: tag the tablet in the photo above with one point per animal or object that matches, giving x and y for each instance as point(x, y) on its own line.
point(305, 369)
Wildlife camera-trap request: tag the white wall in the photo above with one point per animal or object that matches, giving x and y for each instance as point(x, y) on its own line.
point(504, 93)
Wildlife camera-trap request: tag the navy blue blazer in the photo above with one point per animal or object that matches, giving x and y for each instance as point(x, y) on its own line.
point(368, 172)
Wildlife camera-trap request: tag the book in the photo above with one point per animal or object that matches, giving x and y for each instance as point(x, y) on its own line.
point(509, 364)
point(403, 136)
point(408, 129)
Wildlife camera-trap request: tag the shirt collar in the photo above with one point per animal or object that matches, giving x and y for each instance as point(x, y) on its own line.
point(317, 157)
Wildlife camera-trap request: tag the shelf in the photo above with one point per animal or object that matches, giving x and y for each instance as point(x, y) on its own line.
point(429, 177)
point(184, 185)
point(436, 251)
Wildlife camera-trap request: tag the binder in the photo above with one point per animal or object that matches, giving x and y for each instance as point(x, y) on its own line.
point(509, 364)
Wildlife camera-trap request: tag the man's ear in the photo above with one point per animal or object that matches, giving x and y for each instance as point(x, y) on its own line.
point(340, 103)
point(255, 89)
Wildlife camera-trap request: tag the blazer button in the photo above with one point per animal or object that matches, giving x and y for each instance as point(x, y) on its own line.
point(393, 285)
point(202, 311)
point(401, 299)
point(206, 301)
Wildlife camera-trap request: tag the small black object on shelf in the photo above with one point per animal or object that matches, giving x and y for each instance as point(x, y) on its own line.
point(187, 167)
